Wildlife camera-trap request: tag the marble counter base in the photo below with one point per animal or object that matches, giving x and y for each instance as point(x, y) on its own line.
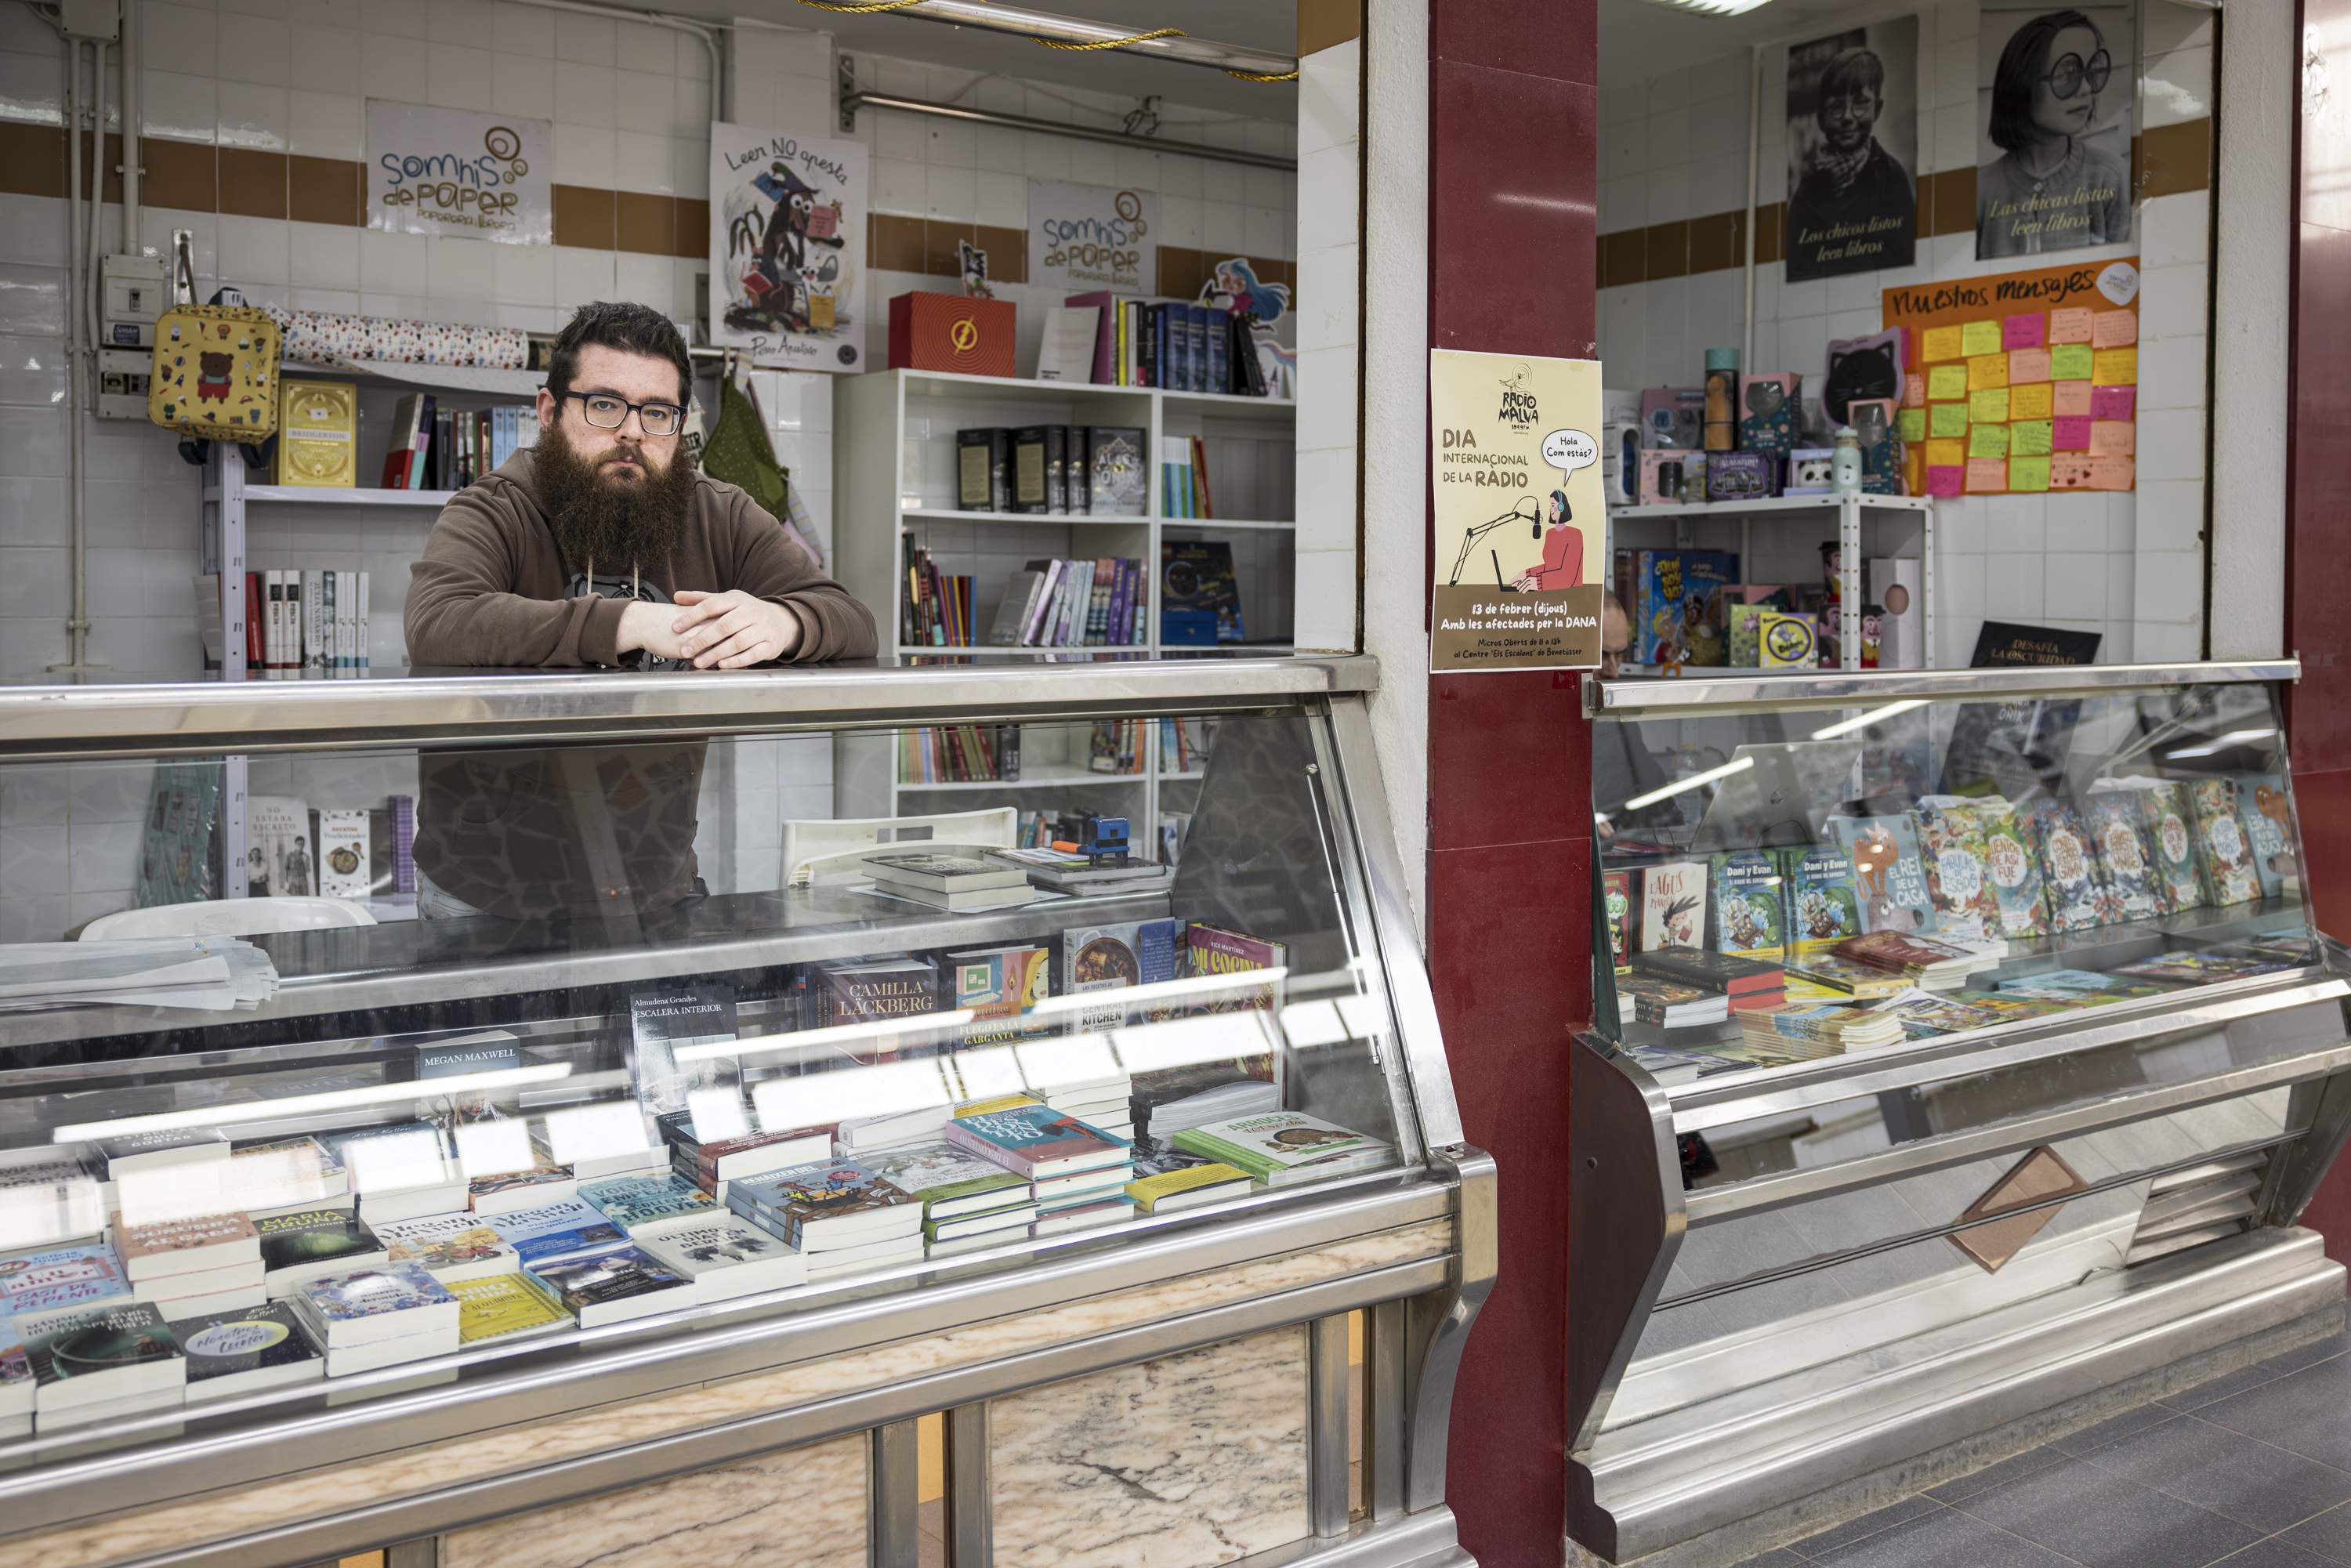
point(1197, 1458)
point(796, 1508)
point(335, 1489)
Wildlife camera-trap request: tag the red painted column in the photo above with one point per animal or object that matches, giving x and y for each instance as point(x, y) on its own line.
point(1513, 149)
point(2318, 501)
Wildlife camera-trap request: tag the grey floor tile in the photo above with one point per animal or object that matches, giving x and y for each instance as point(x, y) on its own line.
point(2097, 1518)
point(2113, 1429)
point(2222, 1471)
point(2272, 1553)
point(1862, 1527)
point(1943, 1538)
point(2307, 1412)
point(1783, 1558)
point(2016, 1466)
point(2225, 1387)
point(2329, 1535)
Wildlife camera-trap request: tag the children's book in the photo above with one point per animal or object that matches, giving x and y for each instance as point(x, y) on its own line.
point(2171, 842)
point(2113, 818)
point(1888, 874)
point(1037, 1141)
point(2220, 835)
point(1616, 902)
point(2069, 867)
point(2015, 871)
point(1673, 906)
point(1952, 838)
point(1824, 902)
point(2267, 812)
point(1750, 905)
point(1678, 608)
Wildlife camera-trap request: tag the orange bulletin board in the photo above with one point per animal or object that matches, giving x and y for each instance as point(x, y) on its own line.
point(2020, 383)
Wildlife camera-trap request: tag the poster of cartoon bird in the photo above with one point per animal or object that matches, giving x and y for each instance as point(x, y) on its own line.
point(787, 247)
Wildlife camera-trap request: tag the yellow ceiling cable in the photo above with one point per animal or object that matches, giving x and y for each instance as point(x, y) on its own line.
point(862, 7)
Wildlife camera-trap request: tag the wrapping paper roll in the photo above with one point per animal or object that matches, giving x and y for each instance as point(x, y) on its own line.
point(320, 338)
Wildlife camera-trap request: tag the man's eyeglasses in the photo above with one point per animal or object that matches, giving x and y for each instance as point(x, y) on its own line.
point(2067, 75)
point(606, 412)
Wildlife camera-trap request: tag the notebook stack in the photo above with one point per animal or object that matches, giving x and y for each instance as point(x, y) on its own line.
point(840, 1214)
point(711, 1165)
point(449, 1247)
point(205, 1263)
point(243, 1350)
point(101, 1363)
point(1932, 963)
point(1747, 984)
point(314, 1244)
point(376, 1317)
point(1079, 1173)
point(954, 882)
point(647, 1205)
point(401, 1171)
point(1278, 1149)
point(967, 1201)
point(725, 1256)
point(1670, 1004)
point(1830, 1027)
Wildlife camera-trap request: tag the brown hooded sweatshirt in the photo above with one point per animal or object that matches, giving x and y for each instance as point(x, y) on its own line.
point(528, 833)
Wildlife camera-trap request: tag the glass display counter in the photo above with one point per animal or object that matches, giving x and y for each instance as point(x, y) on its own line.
point(1964, 1048)
point(535, 1099)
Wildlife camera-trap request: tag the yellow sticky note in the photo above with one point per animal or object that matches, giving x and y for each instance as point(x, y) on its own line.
point(2029, 438)
point(2114, 367)
point(1947, 381)
point(2071, 363)
point(1948, 419)
point(1979, 338)
point(1987, 370)
point(1987, 441)
point(1946, 453)
point(1989, 406)
point(2028, 473)
point(1914, 424)
point(2034, 402)
point(1939, 343)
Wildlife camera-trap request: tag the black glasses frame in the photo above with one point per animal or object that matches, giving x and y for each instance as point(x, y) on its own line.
point(676, 413)
point(2098, 71)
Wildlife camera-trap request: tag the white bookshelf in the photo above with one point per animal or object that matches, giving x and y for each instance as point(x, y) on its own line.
point(894, 482)
point(328, 495)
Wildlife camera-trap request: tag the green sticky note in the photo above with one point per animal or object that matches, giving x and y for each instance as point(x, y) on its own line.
point(1989, 405)
point(1948, 419)
point(1979, 338)
point(2070, 362)
point(1947, 381)
point(1914, 424)
point(2028, 473)
point(2029, 438)
point(1987, 441)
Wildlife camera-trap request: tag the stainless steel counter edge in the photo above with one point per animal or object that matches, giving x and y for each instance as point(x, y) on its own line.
point(200, 716)
point(1750, 690)
point(600, 1367)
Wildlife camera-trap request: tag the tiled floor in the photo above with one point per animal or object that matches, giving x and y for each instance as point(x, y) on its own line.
point(2252, 1471)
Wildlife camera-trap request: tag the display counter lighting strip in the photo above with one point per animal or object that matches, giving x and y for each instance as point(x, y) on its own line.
point(1862, 721)
point(306, 1104)
point(1695, 781)
point(852, 102)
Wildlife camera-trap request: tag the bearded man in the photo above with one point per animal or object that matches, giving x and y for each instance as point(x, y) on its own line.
point(603, 544)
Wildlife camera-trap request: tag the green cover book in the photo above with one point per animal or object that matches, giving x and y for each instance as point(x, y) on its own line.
point(2171, 839)
point(2013, 863)
point(1823, 900)
point(1750, 905)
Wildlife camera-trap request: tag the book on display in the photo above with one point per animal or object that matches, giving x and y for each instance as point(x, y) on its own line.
point(1208, 1182)
point(568, 1227)
point(451, 1247)
point(196, 1245)
point(75, 1275)
point(1037, 1141)
point(942, 874)
point(612, 1287)
point(529, 1187)
point(124, 1356)
point(284, 1173)
point(177, 1296)
point(2071, 880)
point(645, 1205)
point(1281, 1146)
point(1084, 1217)
point(1670, 1004)
point(2132, 884)
point(1017, 1217)
point(947, 1181)
point(47, 1198)
point(504, 1307)
point(881, 1254)
point(725, 1256)
point(313, 1243)
point(242, 1349)
point(826, 1204)
point(366, 1305)
point(1890, 875)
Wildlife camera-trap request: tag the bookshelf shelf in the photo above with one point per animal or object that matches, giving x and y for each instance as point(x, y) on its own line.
point(1188, 775)
point(1048, 519)
point(955, 383)
point(323, 496)
point(1177, 650)
point(1211, 525)
point(1774, 505)
point(476, 378)
point(1058, 780)
point(1232, 402)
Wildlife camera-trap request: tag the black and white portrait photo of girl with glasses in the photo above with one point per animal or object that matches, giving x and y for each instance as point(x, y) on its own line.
point(2056, 162)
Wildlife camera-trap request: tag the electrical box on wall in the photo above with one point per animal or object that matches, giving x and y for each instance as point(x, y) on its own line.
point(134, 290)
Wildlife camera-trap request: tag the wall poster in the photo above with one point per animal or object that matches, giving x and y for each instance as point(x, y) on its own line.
point(2021, 382)
point(452, 171)
point(787, 247)
point(1520, 519)
point(1853, 144)
point(2054, 87)
point(1085, 238)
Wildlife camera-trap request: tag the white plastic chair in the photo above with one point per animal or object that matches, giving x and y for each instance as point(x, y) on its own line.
point(228, 918)
point(819, 851)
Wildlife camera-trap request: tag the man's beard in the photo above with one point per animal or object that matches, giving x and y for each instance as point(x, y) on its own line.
point(619, 525)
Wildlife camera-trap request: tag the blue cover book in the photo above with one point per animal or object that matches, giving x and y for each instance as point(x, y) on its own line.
point(1195, 347)
point(2267, 812)
point(78, 1274)
point(1220, 370)
point(1037, 1141)
point(1678, 607)
point(564, 1228)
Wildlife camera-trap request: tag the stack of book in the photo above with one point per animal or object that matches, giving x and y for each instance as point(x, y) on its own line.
point(938, 606)
point(710, 1166)
point(648, 1206)
point(174, 1174)
point(611, 1286)
point(1748, 984)
point(279, 1175)
point(244, 1350)
point(960, 754)
point(1080, 1078)
point(1060, 871)
point(1279, 1148)
point(956, 883)
point(1054, 603)
point(382, 1316)
point(967, 1201)
point(1828, 976)
point(401, 1171)
point(1077, 1172)
point(1933, 963)
point(1162, 1113)
point(1183, 347)
point(452, 1247)
point(1670, 1004)
point(724, 1256)
point(503, 1306)
point(315, 1244)
point(527, 1187)
point(1168, 1179)
point(208, 1263)
point(570, 1227)
point(839, 1214)
point(1833, 1028)
point(100, 1362)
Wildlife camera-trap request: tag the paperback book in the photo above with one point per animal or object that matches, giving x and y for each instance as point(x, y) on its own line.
point(1750, 905)
point(246, 1349)
point(1209, 1181)
point(2171, 842)
point(528, 1188)
point(612, 1287)
point(998, 985)
point(311, 1243)
point(190, 1245)
point(663, 1022)
point(366, 1306)
point(834, 1203)
point(1037, 1141)
point(1616, 907)
point(642, 1205)
point(1824, 905)
point(1952, 837)
point(1283, 1147)
point(1673, 906)
point(2221, 836)
point(1888, 874)
point(2077, 892)
point(948, 1181)
point(2130, 875)
point(449, 1247)
point(725, 1256)
point(124, 1356)
point(1114, 958)
point(2012, 863)
point(570, 1227)
point(502, 1306)
point(2267, 812)
point(75, 1275)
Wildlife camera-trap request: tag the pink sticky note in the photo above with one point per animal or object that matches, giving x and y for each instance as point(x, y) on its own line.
point(2070, 473)
point(1945, 481)
point(2029, 330)
point(2070, 434)
point(1913, 391)
point(1987, 473)
point(2072, 400)
point(2112, 473)
point(2114, 438)
point(2026, 366)
point(2113, 329)
point(2069, 326)
point(2113, 403)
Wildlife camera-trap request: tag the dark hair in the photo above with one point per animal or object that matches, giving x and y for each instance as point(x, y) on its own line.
point(2020, 65)
point(1855, 70)
point(632, 330)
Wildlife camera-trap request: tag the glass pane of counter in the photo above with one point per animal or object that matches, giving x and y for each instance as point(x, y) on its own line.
point(563, 1037)
point(1785, 886)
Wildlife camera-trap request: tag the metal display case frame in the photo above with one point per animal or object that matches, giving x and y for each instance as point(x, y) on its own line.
point(1417, 1312)
point(1723, 1461)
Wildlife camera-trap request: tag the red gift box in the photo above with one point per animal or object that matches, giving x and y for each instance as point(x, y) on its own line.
point(951, 332)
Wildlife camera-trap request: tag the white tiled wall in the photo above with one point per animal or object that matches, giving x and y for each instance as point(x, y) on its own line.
point(1329, 166)
point(2127, 565)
